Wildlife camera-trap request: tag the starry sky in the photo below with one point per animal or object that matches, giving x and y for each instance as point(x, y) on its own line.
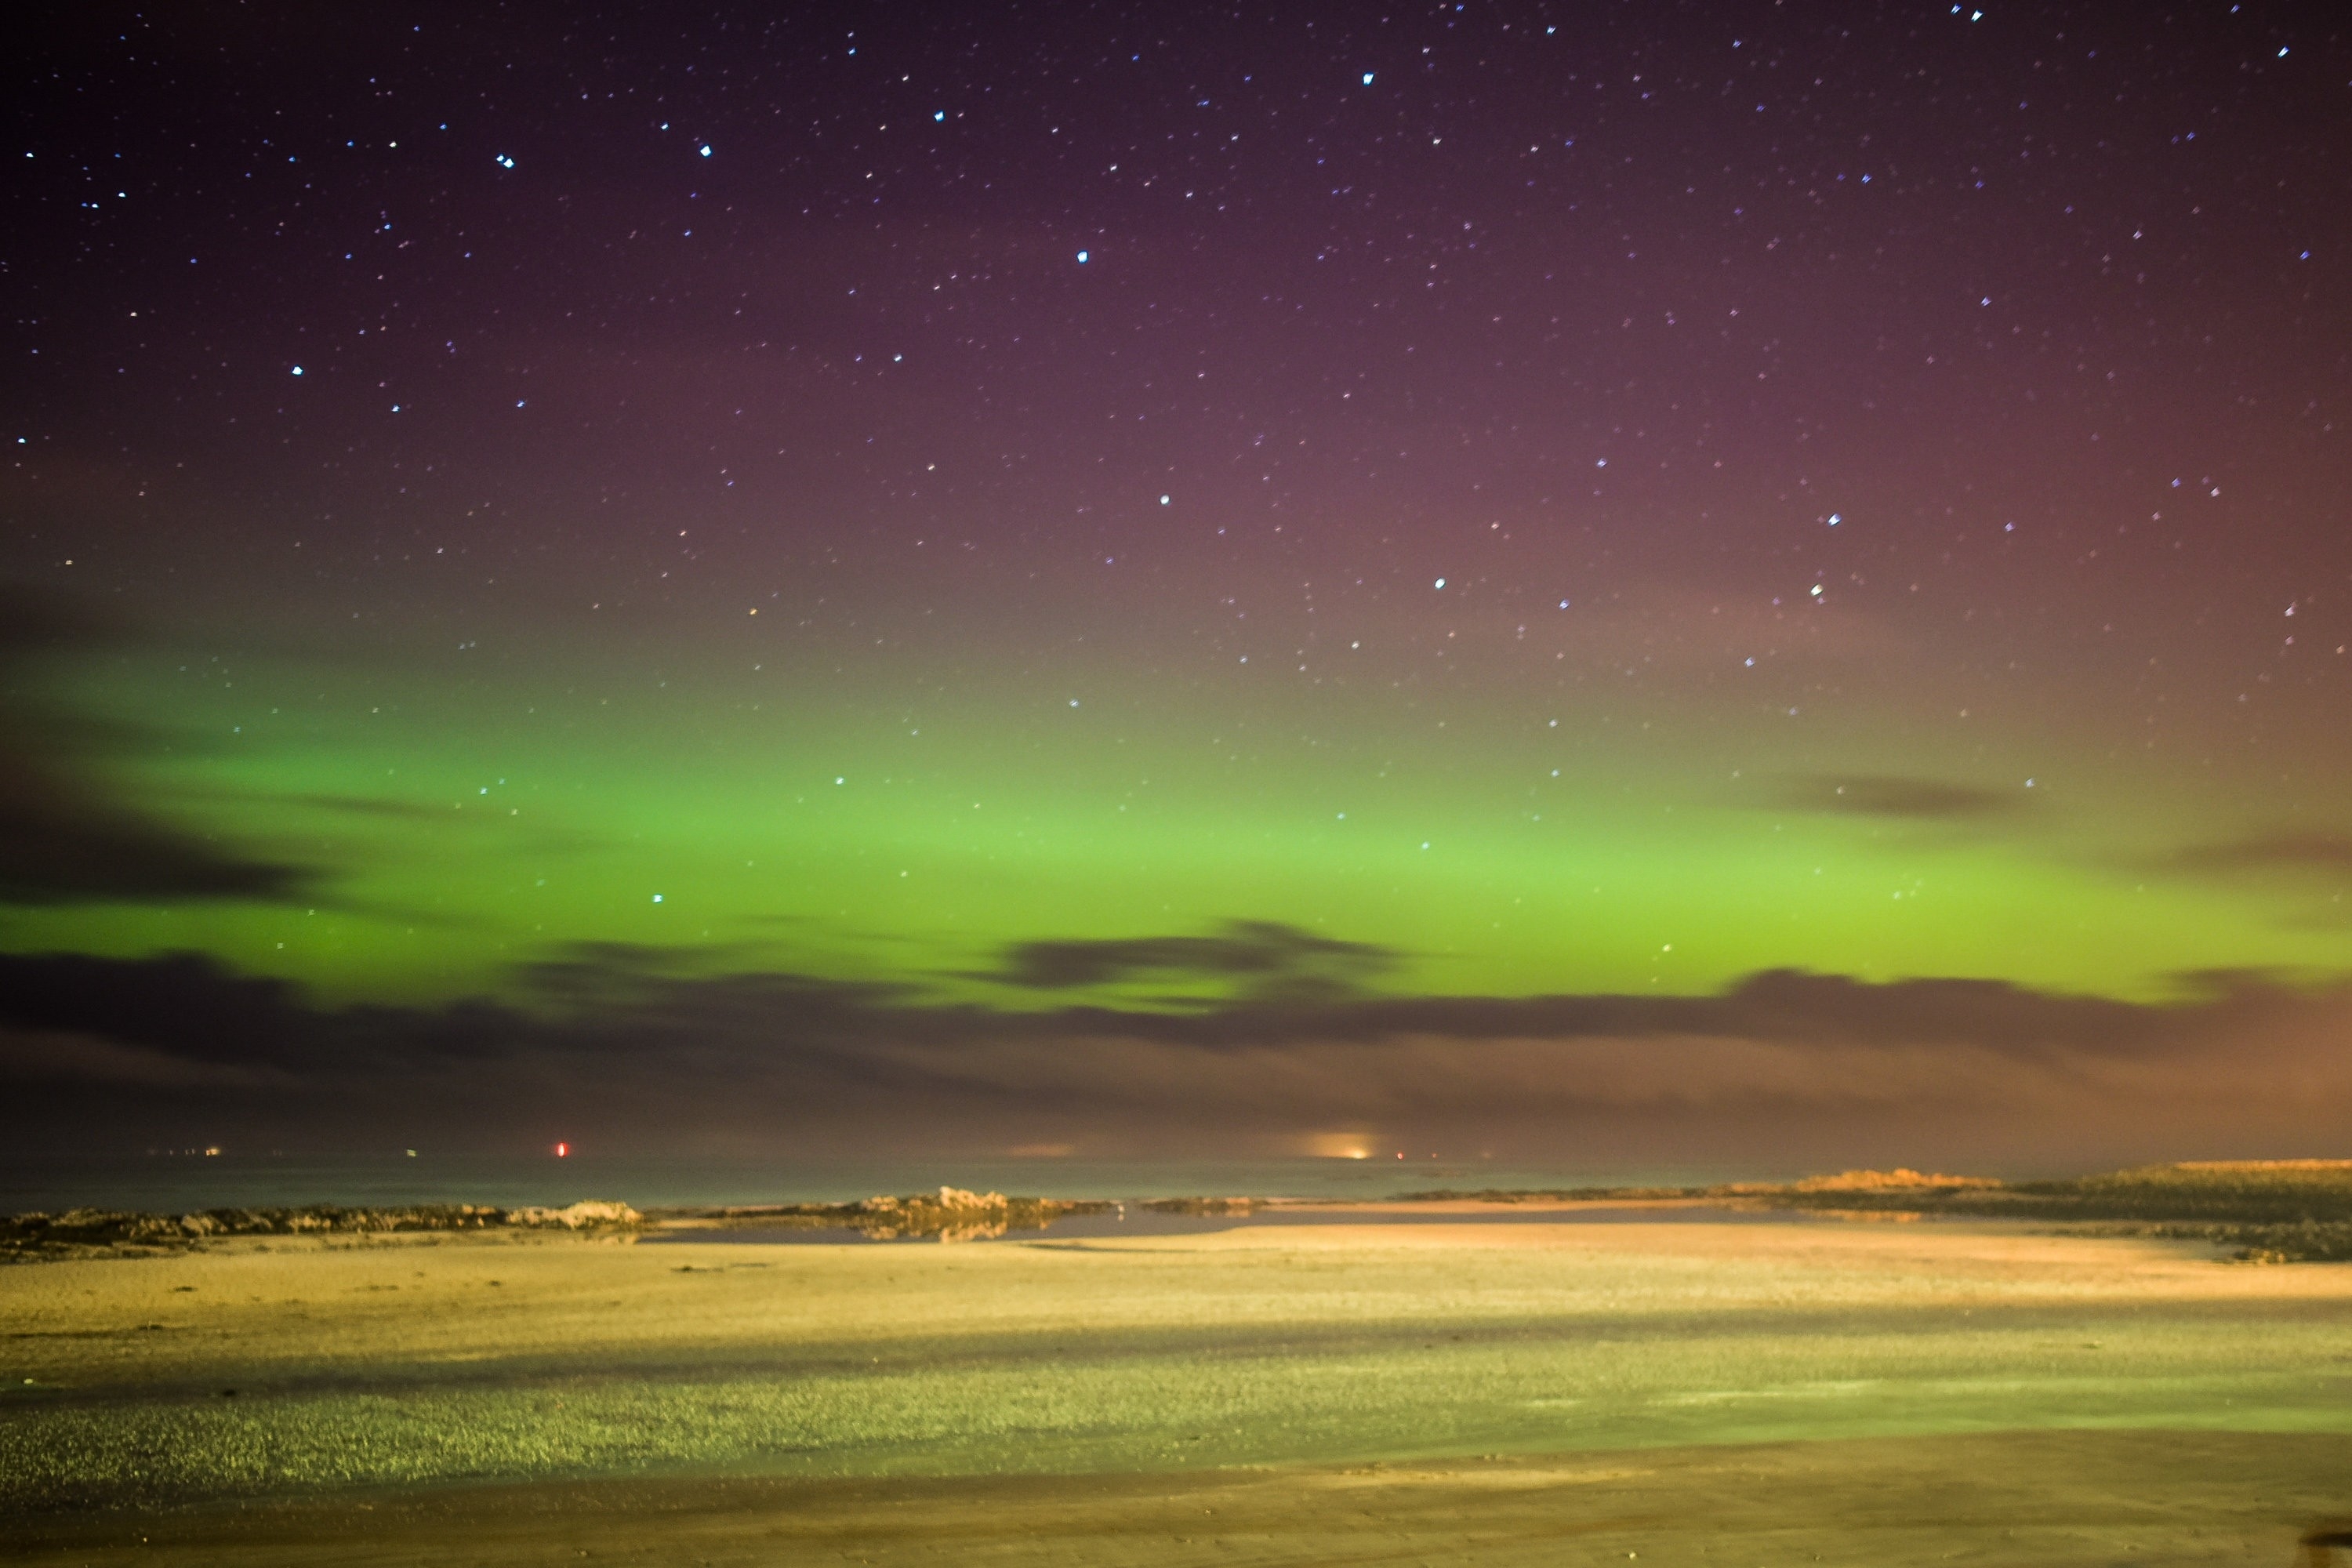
point(1720, 566)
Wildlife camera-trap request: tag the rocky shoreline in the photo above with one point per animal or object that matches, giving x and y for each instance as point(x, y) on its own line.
point(951, 1213)
point(95, 1232)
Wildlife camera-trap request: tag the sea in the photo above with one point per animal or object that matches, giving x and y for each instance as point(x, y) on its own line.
point(182, 1181)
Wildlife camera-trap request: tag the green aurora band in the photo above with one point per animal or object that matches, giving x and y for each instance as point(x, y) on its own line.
point(1499, 811)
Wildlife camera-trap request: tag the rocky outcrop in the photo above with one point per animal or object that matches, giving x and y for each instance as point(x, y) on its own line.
point(951, 1213)
point(586, 1215)
point(1900, 1179)
point(86, 1232)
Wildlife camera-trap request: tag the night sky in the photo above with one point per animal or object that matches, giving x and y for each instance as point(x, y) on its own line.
point(1578, 579)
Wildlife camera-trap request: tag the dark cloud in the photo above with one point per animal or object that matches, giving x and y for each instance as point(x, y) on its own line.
point(616, 980)
point(640, 1048)
point(190, 1007)
point(1880, 795)
point(36, 1061)
point(58, 846)
point(365, 806)
point(1266, 960)
point(63, 837)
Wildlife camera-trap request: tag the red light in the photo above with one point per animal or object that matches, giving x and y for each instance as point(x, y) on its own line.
point(563, 1151)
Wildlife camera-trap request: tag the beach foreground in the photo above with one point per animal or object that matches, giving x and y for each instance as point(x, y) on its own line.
point(1758, 1392)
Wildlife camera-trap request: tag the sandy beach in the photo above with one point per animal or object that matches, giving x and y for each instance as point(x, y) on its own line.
point(1765, 1393)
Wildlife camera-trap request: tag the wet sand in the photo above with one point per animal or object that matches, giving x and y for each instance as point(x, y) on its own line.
point(1431, 1392)
point(2078, 1499)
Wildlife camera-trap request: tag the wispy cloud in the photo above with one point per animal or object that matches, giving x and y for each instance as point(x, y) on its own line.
point(1895, 795)
point(64, 838)
point(1266, 960)
point(2286, 852)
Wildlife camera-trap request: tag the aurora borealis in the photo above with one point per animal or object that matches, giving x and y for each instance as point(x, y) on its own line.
point(1033, 522)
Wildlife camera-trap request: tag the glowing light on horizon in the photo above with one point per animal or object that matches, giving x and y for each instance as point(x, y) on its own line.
point(1338, 1145)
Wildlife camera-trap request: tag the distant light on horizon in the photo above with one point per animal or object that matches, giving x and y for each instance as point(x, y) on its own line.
point(1340, 1145)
